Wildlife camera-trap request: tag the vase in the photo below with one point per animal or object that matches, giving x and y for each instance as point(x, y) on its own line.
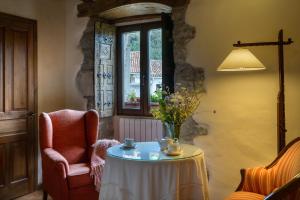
point(173, 130)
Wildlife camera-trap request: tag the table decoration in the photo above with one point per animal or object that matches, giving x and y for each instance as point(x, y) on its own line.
point(171, 153)
point(164, 142)
point(124, 146)
point(175, 108)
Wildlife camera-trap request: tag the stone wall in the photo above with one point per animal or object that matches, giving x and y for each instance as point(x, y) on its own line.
point(186, 75)
point(85, 77)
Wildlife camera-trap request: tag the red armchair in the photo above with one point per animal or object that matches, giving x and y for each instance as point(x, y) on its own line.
point(66, 139)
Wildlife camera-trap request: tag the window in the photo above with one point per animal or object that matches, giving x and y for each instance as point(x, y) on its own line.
point(140, 68)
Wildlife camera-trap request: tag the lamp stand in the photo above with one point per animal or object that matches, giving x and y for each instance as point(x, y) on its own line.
point(281, 130)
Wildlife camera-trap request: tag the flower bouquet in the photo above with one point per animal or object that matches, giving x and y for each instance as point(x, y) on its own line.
point(175, 108)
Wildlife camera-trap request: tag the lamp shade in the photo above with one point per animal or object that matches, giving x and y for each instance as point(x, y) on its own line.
point(241, 60)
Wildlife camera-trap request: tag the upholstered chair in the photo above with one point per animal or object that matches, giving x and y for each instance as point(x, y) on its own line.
point(66, 139)
point(278, 181)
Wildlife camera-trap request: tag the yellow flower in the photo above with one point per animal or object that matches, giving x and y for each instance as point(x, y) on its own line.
point(177, 107)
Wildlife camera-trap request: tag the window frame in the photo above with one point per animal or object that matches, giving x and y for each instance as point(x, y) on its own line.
point(144, 68)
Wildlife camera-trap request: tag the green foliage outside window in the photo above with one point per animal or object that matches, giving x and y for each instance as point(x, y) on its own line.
point(134, 41)
point(131, 96)
point(156, 96)
point(155, 49)
point(155, 44)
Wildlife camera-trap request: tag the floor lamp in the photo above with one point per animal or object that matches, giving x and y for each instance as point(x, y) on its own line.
point(243, 60)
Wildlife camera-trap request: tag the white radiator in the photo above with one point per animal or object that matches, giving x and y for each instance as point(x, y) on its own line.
point(141, 129)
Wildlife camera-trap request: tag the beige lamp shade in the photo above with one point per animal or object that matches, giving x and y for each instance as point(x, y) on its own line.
point(241, 60)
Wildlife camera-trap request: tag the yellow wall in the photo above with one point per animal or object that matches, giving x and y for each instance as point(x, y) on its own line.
point(242, 133)
point(74, 30)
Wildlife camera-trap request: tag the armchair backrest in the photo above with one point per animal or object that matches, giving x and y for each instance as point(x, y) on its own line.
point(69, 132)
point(287, 165)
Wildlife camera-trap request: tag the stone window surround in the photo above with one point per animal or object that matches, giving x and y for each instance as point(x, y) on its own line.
point(186, 75)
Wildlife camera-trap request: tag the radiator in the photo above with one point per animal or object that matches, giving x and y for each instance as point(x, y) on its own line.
point(140, 129)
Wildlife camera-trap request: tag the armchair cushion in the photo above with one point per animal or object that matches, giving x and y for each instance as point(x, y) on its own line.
point(79, 175)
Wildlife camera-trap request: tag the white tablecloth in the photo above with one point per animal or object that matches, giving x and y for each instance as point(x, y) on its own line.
point(178, 179)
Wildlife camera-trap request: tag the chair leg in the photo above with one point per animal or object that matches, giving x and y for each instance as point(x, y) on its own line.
point(45, 195)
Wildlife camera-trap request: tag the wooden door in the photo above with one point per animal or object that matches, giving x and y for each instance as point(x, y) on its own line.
point(17, 106)
point(104, 68)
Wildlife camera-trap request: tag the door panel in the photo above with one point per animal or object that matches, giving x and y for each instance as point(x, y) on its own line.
point(8, 69)
point(11, 126)
point(20, 70)
point(18, 161)
point(17, 103)
point(16, 70)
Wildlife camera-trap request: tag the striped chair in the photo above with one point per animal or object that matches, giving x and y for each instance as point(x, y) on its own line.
point(280, 180)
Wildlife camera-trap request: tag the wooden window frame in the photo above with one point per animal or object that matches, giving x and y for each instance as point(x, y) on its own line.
point(144, 68)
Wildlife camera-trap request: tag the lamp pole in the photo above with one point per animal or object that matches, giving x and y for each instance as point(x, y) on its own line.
point(281, 130)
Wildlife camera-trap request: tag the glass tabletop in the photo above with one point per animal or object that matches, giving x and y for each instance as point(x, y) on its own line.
point(150, 151)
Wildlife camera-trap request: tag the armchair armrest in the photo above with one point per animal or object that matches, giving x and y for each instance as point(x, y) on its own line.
point(55, 159)
point(258, 180)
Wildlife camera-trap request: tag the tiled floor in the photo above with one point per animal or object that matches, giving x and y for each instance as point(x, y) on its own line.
point(38, 195)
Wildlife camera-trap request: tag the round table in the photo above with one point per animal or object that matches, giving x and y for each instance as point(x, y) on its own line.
point(146, 173)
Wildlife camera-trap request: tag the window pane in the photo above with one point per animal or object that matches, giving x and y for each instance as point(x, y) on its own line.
point(155, 66)
point(131, 70)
